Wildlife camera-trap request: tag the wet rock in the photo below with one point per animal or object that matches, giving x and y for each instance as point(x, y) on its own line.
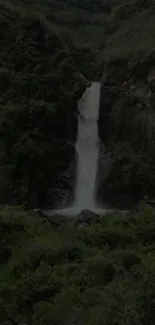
point(58, 197)
point(82, 225)
point(38, 212)
point(63, 197)
point(68, 178)
point(60, 194)
point(53, 218)
point(104, 165)
point(56, 219)
point(87, 217)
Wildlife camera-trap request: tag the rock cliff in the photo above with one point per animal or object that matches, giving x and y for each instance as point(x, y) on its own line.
point(127, 127)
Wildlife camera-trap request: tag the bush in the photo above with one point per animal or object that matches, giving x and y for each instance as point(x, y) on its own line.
point(66, 275)
point(113, 237)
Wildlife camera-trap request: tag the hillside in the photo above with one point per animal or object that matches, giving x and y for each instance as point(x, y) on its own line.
point(102, 273)
point(130, 31)
point(114, 25)
point(38, 111)
point(127, 107)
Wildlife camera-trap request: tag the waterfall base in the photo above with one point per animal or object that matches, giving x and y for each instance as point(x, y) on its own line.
point(74, 211)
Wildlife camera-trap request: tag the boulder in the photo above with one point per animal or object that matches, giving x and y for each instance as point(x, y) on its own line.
point(56, 219)
point(87, 217)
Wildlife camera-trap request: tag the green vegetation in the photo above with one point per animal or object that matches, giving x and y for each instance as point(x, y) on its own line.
point(130, 31)
point(131, 178)
point(39, 87)
point(113, 26)
point(102, 273)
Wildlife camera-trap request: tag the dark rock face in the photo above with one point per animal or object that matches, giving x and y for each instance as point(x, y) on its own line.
point(127, 128)
point(87, 217)
point(59, 197)
point(126, 94)
point(57, 220)
point(104, 167)
point(62, 192)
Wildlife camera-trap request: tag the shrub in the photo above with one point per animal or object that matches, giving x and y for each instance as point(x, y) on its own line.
point(95, 271)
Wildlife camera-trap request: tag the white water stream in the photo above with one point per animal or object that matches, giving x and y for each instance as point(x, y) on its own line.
point(87, 148)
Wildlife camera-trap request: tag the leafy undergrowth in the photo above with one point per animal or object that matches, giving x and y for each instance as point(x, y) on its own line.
point(117, 29)
point(132, 39)
point(99, 274)
point(39, 89)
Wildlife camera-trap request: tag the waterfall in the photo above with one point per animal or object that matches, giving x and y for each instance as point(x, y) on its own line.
point(87, 148)
point(88, 154)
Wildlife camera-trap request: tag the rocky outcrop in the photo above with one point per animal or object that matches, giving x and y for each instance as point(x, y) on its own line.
point(87, 217)
point(127, 98)
point(104, 166)
point(127, 128)
point(59, 218)
point(62, 192)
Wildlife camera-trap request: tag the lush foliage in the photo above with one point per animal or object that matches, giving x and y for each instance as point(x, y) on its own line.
point(39, 87)
point(112, 25)
point(100, 274)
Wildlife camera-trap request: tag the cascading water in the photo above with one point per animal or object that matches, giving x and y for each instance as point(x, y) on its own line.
point(88, 153)
point(87, 148)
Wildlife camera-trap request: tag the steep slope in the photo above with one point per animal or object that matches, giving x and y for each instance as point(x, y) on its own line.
point(39, 89)
point(128, 103)
point(129, 32)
